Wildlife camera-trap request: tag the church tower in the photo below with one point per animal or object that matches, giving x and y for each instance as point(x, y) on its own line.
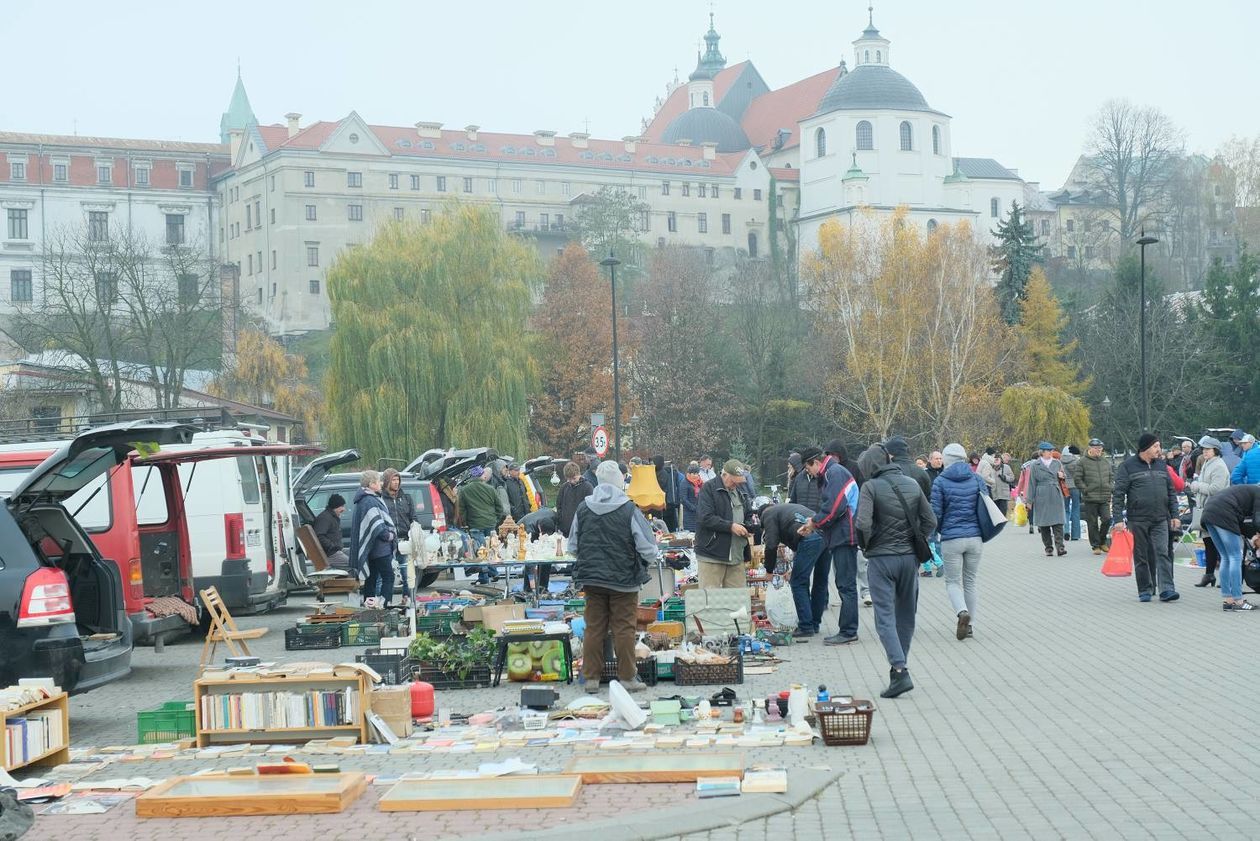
point(708, 65)
point(871, 47)
point(239, 113)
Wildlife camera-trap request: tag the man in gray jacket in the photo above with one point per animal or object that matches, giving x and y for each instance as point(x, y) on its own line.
point(613, 544)
point(886, 535)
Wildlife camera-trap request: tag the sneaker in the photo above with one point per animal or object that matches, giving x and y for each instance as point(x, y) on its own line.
point(839, 640)
point(1242, 605)
point(1049, 552)
point(802, 634)
point(1144, 597)
point(1062, 552)
point(591, 684)
point(1169, 596)
point(971, 631)
point(899, 683)
point(964, 624)
point(1097, 550)
point(634, 686)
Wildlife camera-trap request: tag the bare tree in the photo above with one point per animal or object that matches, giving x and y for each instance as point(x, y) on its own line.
point(1131, 153)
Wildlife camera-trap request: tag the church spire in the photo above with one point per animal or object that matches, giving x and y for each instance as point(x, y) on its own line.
point(870, 47)
point(711, 62)
point(239, 114)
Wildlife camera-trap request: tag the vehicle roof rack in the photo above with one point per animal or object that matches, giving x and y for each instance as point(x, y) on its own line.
point(37, 429)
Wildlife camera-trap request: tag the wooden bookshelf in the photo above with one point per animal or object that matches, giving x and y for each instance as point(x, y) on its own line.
point(207, 736)
point(55, 755)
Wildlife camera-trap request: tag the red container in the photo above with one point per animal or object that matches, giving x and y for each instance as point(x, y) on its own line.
point(421, 699)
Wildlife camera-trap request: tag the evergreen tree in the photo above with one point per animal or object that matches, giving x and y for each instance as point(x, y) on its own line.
point(1047, 359)
point(1014, 257)
point(1229, 313)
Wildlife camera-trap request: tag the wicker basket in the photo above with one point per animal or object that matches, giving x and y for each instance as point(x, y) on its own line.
point(702, 674)
point(845, 724)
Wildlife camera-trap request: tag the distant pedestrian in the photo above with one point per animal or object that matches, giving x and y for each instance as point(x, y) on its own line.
point(935, 464)
point(1072, 502)
point(1229, 515)
point(482, 510)
point(402, 510)
point(328, 532)
point(1212, 479)
point(691, 497)
point(836, 519)
point(706, 468)
point(1045, 495)
point(1145, 497)
point(1248, 470)
point(574, 490)
point(955, 499)
point(722, 539)
point(372, 537)
point(900, 452)
point(1233, 452)
point(1006, 482)
point(781, 526)
point(804, 487)
point(1095, 477)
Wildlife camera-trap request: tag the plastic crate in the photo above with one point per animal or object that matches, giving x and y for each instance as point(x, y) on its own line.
point(437, 624)
point(477, 677)
point(575, 606)
point(703, 674)
point(368, 633)
point(313, 637)
point(646, 670)
point(172, 721)
point(845, 724)
point(394, 667)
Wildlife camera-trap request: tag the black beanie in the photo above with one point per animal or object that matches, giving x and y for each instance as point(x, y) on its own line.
point(1145, 440)
point(335, 501)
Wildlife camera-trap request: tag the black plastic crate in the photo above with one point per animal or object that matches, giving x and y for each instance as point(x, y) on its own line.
point(298, 639)
point(646, 669)
point(477, 677)
point(394, 667)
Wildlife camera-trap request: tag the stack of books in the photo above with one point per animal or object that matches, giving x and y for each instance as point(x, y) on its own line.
point(280, 710)
point(523, 626)
point(32, 735)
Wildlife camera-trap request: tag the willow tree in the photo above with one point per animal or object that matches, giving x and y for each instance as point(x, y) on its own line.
point(1034, 413)
point(429, 346)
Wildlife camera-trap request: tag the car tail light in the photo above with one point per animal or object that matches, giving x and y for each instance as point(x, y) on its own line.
point(135, 578)
point(234, 531)
point(45, 599)
point(439, 511)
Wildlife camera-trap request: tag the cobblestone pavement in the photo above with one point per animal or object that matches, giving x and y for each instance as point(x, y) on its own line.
point(1075, 712)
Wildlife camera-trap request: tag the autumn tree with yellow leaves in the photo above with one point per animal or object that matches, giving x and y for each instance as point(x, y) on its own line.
point(262, 373)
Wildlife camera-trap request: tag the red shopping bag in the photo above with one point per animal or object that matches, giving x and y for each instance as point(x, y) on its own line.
point(1119, 561)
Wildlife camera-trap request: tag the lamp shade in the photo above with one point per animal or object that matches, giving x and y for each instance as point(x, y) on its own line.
point(644, 490)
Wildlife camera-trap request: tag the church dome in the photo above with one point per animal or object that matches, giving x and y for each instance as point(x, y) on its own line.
point(872, 87)
point(707, 125)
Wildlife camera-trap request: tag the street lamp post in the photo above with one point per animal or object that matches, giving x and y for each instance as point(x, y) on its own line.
point(612, 263)
point(1106, 407)
point(1142, 243)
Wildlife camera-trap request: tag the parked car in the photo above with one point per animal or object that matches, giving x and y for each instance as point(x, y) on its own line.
point(62, 613)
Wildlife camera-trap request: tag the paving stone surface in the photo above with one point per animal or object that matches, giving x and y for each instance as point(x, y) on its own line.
point(1075, 712)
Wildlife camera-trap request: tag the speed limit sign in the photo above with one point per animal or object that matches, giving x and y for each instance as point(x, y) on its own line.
point(599, 440)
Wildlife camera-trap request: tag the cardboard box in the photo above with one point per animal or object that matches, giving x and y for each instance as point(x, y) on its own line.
point(390, 702)
point(401, 725)
point(493, 616)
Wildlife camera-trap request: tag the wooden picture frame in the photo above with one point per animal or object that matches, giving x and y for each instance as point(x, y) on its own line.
point(655, 768)
point(221, 795)
point(554, 791)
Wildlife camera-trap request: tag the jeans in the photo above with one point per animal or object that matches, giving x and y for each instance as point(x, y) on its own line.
point(1072, 508)
point(479, 538)
point(380, 580)
point(1230, 546)
point(895, 590)
point(807, 553)
point(845, 560)
point(962, 564)
point(1152, 562)
point(402, 561)
point(819, 594)
point(1097, 522)
point(864, 587)
point(609, 612)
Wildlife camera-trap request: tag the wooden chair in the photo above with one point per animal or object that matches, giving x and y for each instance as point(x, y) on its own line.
point(223, 630)
point(327, 580)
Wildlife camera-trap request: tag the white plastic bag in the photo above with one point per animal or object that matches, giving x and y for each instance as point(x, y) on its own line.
point(780, 608)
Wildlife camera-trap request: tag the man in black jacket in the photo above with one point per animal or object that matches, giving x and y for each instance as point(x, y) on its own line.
point(328, 532)
point(402, 510)
point(781, 526)
point(900, 452)
point(887, 534)
point(804, 488)
point(1144, 496)
point(518, 499)
point(722, 540)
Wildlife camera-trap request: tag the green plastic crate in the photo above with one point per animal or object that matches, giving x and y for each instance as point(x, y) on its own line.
point(575, 606)
point(172, 721)
point(368, 633)
point(437, 624)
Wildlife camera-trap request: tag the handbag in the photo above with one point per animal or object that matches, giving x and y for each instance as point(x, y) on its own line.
point(922, 550)
point(989, 516)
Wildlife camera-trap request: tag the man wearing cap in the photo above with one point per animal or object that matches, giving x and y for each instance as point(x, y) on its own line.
point(1045, 495)
point(1248, 470)
point(837, 520)
point(1095, 477)
point(722, 539)
point(482, 509)
point(1145, 497)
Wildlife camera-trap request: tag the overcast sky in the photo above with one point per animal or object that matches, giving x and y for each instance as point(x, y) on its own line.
point(1020, 79)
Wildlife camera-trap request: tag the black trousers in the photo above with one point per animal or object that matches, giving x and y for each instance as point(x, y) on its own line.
point(1098, 521)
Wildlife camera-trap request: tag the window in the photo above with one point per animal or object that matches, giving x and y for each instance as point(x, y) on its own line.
point(17, 223)
point(250, 264)
point(185, 177)
point(61, 172)
point(936, 140)
point(540, 187)
point(259, 262)
point(273, 183)
point(752, 244)
point(1086, 225)
point(273, 216)
point(726, 223)
point(866, 56)
point(544, 221)
point(249, 223)
point(671, 221)
point(1045, 227)
point(174, 229)
point(492, 186)
point(664, 188)
point(467, 184)
point(709, 254)
point(739, 193)
point(907, 136)
point(257, 214)
point(273, 290)
point(441, 183)
point(715, 191)
point(354, 179)
point(354, 212)
point(645, 221)
point(398, 213)
point(1089, 252)
point(21, 290)
point(273, 259)
point(686, 189)
point(310, 213)
point(865, 136)
point(994, 208)
point(106, 288)
point(756, 195)
point(820, 143)
point(308, 178)
point(189, 290)
point(17, 171)
point(426, 216)
point(260, 296)
point(393, 181)
point(98, 226)
point(520, 219)
point(314, 287)
point(415, 182)
point(104, 174)
point(1106, 252)
point(559, 221)
point(516, 185)
point(704, 190)
point(567, 189)
point(1071, 225)
point(705, 99)
point(643, 194)
point(879, 56)
point(142, 176)
point(931, 225)
point(312, 255)
point(702, 222)
point(1071, 252)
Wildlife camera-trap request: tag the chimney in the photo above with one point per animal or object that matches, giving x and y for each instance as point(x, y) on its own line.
point(471, 131)
point(426, 129)
point(631, 142)
point(710, 150)
point(579, 139)
point(234, 141)
point(292, 119)
point(545, 138)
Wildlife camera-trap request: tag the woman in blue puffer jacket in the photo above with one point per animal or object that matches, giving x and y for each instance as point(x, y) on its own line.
point(955, 495)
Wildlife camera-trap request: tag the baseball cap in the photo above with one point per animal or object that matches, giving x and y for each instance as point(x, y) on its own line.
point(810, 453)
point(733, 467)
point(1247, 439)
point(1237, 435)
point(1045, 445)
point(1095, 442)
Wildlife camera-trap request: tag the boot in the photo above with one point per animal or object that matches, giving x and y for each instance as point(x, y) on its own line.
point(898, 683)
point(1208, 580)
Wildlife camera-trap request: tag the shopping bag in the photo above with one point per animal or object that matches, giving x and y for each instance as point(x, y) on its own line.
point(989, 516)
point(1021, 513)
point(780, 607)
point(1119, 560)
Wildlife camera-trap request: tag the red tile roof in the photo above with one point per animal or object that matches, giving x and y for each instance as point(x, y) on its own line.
point(122, 144)
point(676, 102)
point(786, 173)
point(784, 108)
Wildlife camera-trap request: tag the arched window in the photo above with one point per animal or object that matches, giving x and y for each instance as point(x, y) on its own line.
point(820, 143)
point(706, 99)
point(936, 140)
point(994, 208)
point(867, 57)
point(931, 226)
point(907, 137)
point(879, 57)
point(865, 136)
point(752, 244)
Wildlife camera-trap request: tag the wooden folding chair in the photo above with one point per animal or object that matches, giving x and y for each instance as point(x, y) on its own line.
point(327, 581)
point(223, 630)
